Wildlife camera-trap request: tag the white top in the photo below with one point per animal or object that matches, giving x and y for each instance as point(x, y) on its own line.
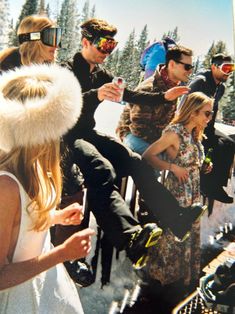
point(52, 291)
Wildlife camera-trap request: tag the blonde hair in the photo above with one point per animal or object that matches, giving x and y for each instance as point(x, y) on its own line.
point(6, 52)
point(33, 51)
point(37, 167)
point(194, 102)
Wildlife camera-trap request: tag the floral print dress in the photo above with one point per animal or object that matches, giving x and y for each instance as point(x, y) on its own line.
point(172, 260)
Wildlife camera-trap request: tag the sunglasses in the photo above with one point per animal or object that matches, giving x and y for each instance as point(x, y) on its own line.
point(105, 45)
point(208, 114)
point(227, 68)
point(187, 66)
point(49, 37)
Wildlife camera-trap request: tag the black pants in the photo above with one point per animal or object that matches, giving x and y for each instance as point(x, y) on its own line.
point(222, 158)
point(103, 161)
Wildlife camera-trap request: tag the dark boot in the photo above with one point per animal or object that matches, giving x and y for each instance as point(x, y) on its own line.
point(140, 241)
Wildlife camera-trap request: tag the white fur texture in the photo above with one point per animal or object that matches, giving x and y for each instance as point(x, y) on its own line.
point(44, 119)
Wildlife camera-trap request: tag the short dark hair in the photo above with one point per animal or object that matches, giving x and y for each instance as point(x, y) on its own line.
point(94, 28)
point(220, 58)
point(175, 53)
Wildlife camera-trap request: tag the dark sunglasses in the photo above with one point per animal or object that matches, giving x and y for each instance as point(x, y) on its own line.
point(208, 114)
point(105, 45)
point(227, 68)
point(187, 66)
point(49, 37)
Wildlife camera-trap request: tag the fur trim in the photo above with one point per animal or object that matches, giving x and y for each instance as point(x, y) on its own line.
point(39, 120)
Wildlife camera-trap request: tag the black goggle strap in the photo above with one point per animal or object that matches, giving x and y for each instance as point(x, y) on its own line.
point(29, 37)
point(49, 36)
point(87, 35)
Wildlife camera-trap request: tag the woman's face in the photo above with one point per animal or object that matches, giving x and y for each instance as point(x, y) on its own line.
point(49, 53)
point(203, 117)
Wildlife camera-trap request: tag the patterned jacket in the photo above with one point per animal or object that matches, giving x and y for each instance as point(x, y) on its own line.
point(147, 121)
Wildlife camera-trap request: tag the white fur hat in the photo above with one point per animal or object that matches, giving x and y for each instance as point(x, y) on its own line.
point(39, 120)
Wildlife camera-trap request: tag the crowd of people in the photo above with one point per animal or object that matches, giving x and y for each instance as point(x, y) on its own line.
point(50, 150)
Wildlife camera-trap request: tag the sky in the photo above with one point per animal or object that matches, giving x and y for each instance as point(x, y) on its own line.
point(199, 22)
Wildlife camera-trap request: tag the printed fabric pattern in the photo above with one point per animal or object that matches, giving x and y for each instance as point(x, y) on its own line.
point(148, 121)
point(172, 260)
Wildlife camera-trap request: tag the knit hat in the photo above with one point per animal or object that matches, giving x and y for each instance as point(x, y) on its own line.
point(42, 119)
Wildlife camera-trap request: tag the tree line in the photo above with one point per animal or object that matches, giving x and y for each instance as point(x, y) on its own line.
point(122, 62)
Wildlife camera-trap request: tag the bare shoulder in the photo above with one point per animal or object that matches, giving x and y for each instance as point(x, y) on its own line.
point(170, 137)
point(9, 190)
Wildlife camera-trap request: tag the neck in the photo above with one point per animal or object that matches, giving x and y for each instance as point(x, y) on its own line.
point(172, 77)
point(92, 65)
point(190, 126)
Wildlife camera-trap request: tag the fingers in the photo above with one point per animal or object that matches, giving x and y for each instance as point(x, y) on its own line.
point(175, 92)
point(85, 238)
point(110, 92)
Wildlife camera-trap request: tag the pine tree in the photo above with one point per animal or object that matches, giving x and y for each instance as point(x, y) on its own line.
point(140, 46)
point(30, 7)
point(219, 47)
point(41, 8)
point(4, 23)
point(93, 12)
point(11, 34)
point(85, 15)
point(172, 34)
point(48, 10)
point(126, 60)
point(68, 21)
point(112, 62)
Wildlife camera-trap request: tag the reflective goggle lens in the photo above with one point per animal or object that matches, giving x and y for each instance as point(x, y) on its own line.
point(105, 45)
point(51, 37)
point(227, 67)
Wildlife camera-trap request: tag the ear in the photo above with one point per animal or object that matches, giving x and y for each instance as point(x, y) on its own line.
point(170, 64)
point(85, 42)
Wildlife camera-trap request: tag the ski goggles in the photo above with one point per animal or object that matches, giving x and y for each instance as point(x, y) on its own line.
point(105, 45)
point(48, 36)
point(227, 68)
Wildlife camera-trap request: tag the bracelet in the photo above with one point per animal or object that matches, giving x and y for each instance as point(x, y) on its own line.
point(170, 164)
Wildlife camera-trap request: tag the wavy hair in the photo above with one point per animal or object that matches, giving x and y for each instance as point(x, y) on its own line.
point(33, 51)
point(194, 102)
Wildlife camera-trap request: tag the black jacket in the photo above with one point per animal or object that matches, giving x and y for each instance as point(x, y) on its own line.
point(11, 61)
point(90, 82)
point(205, 83)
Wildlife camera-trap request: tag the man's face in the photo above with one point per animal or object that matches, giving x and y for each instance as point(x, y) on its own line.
point(92, 54)
point(181, 70)
point(219, 76)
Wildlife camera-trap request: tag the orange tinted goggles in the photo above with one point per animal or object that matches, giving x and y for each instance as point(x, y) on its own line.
point(227, 68)
point(105, 45)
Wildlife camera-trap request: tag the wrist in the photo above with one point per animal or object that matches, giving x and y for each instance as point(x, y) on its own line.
point(170, 166)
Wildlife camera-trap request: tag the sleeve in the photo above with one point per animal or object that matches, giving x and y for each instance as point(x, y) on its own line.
point(198, 84)
point(124, 122)
point(144, 98)
point(101, 77)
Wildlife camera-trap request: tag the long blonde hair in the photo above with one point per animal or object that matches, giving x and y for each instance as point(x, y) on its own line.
point(33, 51)
point(36, 167)
point(194, 102)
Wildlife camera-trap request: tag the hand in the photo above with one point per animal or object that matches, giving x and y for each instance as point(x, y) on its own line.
point(206, 168)
point(109, 91)
point(180, 172)
point(78, 245)
point(175, 92)
point(70, 215)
